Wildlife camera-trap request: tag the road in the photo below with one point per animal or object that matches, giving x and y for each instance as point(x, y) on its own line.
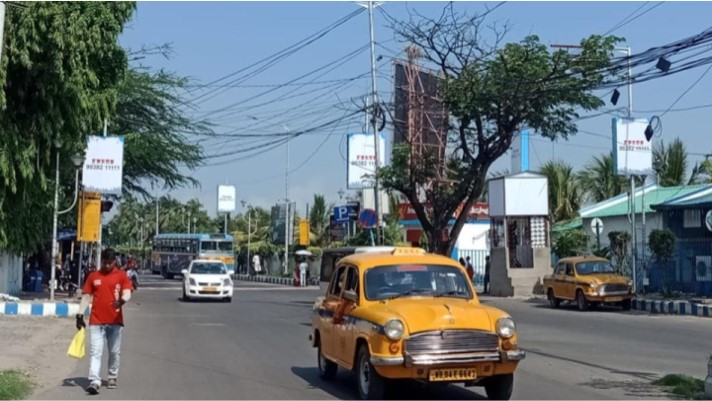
point(256, 348)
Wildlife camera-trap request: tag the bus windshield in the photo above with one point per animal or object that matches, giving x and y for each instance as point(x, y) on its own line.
point(216, 246)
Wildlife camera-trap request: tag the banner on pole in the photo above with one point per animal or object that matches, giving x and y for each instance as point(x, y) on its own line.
point(103, 165)
point(89, 219)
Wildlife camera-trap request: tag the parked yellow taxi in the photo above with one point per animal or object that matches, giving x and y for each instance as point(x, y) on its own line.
point(588, 281)
point(403, 314)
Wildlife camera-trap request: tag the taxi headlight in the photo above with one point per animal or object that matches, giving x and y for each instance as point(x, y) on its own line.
point(227, 282)
point(394, 329)
point(593, 284)
point(506, 327)
point(191, 281)
point(630, 283)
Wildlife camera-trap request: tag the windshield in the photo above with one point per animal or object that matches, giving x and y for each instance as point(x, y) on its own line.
point(208, 268)
point(585, 268)
point(223, 246)
point(389, 282)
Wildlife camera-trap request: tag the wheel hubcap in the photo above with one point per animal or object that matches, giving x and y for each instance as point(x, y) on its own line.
point(365, 376)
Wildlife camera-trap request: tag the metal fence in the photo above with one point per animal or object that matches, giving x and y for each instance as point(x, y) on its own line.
point(689, 270)
point(477, 257)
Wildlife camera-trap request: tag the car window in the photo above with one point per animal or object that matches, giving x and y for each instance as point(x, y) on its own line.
point(594, 267)
point(352, 283)
point(336, 282)
point(208, 268)
point(560, 268)
point(569, 269)
point(415, 280)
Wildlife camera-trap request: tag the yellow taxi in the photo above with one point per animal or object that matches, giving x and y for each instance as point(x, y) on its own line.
point(588, 281)
point(400, 313)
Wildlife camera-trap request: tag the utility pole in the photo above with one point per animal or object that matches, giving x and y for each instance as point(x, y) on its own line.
point(98, 245)
point(157, 202)
point(374, 122)
point(634, 236)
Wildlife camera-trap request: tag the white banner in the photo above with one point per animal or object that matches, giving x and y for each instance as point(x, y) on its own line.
point(103, 166)
point(361, 165)
point(226, 198)
point(632, 153)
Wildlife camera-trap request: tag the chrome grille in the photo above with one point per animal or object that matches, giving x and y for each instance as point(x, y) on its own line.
point(615, 288)
point(451, 341)
point(209, 284)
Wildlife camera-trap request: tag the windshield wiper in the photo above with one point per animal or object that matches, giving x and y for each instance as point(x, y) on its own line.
point(410, 292)
point(448, 293)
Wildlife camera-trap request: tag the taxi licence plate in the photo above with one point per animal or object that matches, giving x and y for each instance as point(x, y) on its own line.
point(210, 289)
point(439, 375)
point(614, 299)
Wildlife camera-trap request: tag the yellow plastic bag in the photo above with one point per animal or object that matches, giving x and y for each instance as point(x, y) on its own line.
point(77, 347)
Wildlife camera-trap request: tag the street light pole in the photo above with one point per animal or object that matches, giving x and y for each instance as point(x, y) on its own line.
point(374, 123)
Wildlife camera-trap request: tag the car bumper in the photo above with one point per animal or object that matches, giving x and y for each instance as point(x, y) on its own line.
point(452, 359)
point(197, 292)
point(609, 297)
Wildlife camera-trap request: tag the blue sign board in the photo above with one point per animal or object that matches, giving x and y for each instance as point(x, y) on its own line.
point(341, 213)
point(368, 218)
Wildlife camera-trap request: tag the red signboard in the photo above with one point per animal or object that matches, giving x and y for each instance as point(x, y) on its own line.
point(479, 210)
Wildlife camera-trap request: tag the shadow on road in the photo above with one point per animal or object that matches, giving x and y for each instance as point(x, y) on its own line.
point(344, 387)
point(202, 300)
point(571, 307)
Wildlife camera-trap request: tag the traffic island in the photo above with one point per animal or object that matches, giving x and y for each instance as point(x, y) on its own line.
point(57, 309)
point(689, 308)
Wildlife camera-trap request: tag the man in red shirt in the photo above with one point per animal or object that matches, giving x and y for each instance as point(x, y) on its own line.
point(107, 290)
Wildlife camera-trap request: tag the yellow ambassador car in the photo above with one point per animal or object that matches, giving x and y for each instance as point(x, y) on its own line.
point(405, 314)
point(588, 281)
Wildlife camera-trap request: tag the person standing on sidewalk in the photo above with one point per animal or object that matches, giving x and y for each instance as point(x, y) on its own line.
point(107, 290)
point(303, 268)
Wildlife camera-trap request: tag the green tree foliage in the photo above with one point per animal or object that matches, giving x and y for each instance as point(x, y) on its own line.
point(599, 181)
point(319, 220)
point(619, 248)
point(155, 122)
point(662, 246)
point(570, 243)
point(492, 92)
point(565, 195)
point(670, 165)
point(61, 65)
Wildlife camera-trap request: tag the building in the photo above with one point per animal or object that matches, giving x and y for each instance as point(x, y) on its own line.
point(10, 273)
point(615, 213)
point(689, 217)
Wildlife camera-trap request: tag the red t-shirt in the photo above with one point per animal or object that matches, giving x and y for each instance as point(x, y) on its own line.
point(105, 288)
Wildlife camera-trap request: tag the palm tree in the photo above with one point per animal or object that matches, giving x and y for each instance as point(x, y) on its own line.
point(598, 180)
point(565, 195)
point(319, 220)
point(670, 165)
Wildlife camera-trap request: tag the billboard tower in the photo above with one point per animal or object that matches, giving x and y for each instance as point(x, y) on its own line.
point(420, 117)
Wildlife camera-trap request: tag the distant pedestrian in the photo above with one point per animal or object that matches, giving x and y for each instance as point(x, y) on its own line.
point(256, 264)
point(462, 262)
point(487, 274)
point(470, 269)
point(303, 268)
point(107, 290)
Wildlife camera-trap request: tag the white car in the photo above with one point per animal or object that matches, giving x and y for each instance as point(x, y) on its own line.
point(207, 279)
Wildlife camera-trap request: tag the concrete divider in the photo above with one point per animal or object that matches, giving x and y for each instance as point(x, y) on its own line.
point(672, 307)
point(59, 309)
point(271, 279)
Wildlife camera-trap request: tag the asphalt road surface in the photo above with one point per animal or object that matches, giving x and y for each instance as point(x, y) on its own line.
point(257, 348)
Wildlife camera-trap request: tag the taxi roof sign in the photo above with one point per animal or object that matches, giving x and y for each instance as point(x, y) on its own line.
point(408, 251)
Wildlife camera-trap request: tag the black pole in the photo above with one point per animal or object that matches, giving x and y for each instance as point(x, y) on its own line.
point(598, 236)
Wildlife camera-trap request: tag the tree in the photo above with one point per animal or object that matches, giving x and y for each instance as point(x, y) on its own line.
point(565, 195)
point(598, 180)
point(61, 65)
point(662, 246)
point(670, 165)
point(491, 92)
point(619, 247)
point(155, 121)
point(319, 220)
point(569, 243)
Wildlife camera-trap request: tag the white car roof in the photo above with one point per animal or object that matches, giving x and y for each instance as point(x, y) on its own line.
point(206, 261)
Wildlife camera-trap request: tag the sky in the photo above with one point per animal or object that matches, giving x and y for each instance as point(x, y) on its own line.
point(211, 40)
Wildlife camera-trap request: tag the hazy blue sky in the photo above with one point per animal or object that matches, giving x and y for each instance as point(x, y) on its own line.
point(213, 39)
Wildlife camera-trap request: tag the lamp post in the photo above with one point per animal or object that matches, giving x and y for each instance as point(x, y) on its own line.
point(78, 160)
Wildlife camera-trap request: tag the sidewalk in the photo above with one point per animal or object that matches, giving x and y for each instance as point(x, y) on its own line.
point(38, 304)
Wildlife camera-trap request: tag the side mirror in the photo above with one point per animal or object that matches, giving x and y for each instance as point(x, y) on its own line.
point(351, 296)
point(231, 273)
point(184, 272)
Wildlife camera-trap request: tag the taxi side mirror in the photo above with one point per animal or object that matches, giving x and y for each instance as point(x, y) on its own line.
point(351, 296)
point(231, 273)
point(184, 272)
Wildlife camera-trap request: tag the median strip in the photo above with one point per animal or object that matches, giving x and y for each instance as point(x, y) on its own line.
point(684, 386)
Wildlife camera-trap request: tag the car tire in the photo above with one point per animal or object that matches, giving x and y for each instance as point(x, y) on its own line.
point(581, 301)
point(228, 299)
point(500, 387)
point(327, 368)
point(627, 304)
point(371, 386)
point(553, 301)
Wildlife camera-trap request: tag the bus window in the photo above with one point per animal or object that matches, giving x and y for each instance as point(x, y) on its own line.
point(208, 246)
point(225, 245)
